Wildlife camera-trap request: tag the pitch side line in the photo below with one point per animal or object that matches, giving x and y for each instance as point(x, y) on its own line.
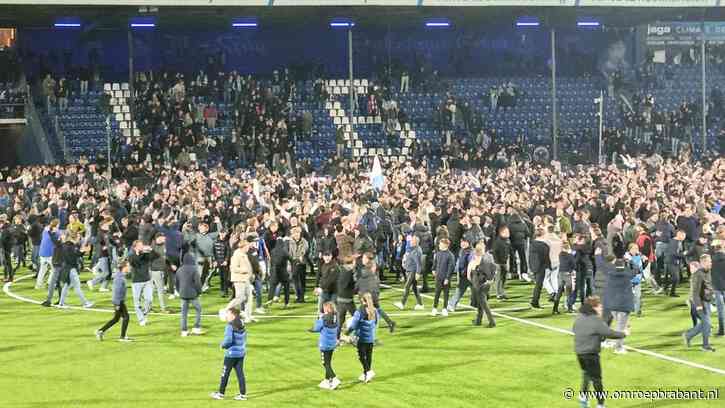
point(6, 289)
point(570, 333)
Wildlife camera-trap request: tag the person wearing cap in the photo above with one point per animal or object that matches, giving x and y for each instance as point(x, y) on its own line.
point(243, 267)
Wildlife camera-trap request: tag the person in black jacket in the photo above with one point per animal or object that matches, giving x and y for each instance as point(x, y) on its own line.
point(540, 262)
point(501, 250)
point(188, 284)
point(7, 242)
point(718, 283)
point(326, 279)
point(567, 265)
point(481, 273)
point(701, 295)
point(345, 289)
point(674, 259)
point(71, 255)
point(221, 254)
point(35, 233)
point(443, 265)
point(520, 232)
point(140, 258)
point(589, 331)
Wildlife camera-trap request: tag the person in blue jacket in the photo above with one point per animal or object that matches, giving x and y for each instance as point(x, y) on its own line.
point(235, 348)
point(365, 323)
point(327, 325)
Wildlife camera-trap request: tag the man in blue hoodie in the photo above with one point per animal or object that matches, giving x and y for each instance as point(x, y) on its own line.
point(48, 243)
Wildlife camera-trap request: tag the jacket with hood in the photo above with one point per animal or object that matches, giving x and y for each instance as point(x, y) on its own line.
point(589, 331)
point(188, 281)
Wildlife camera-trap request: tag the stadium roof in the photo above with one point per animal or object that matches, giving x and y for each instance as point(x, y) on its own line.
point(215, 16)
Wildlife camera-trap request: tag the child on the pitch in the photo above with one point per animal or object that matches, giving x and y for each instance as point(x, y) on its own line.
point(444, 262)
point(235, 348)
point(365, 323)
point(327, 325)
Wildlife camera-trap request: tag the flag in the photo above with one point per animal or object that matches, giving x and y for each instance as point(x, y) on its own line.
point(376, 175)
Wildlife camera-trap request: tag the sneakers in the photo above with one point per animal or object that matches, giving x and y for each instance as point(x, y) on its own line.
point(172, 297)
point(197, 331)
point(143, 323)
point(125, 339)
point(369, 376)
point(260, 311)
point(99, 335)
point(444, 312)
point(525, 277)
point(205, 288)
point(362, 378)
point(45, 304)
point(708, 349)
point(89, 284)
point(399, 305)
point(184, 333)
point(88, 305)
point(686, 339)
point(240, 397)
point(620, 350)
point(325, 384)
point(334, 383)
point(216, 395)
point(418, 307)
point(392, 327)
point(451, 309)
point(434, 312)
point(607, 344)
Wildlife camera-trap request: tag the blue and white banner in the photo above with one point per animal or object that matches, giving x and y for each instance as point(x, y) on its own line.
point(684, 33)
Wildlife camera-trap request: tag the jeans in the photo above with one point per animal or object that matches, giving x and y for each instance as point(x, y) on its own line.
point(500, 279)
point(238, 365)
point(299, 271)
point(481, 295)
point(46, 263)
point(637, 292)
point(673, 272)
point(720, 304)
point(703, 324)
point(258, 292)
point(185, 313)
point(9, 271)
point(591, 372)
point(242, 293)
point(620, 319)
point(147, 290)
point(551, 280)
point(120, 312)
point(35, 257)
point(53, 282)
point(157, 279)
point(411, 283)
point(441, 287)
point(463, 285)
point(536, 295)
point(75, 283)
point(101, 271)
point(520, 249)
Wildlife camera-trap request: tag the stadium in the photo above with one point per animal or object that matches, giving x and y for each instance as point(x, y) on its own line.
point(375, 203)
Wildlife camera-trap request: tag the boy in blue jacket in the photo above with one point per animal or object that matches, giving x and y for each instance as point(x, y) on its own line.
point(119, 303)
point(327, 325)
point(235, 348)
point(365, 323)
point(636, 263)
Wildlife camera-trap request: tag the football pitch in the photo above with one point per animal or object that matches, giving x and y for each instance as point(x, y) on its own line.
point(51, 358)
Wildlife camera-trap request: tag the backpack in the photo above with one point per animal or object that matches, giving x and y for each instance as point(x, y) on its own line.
point(370, 221)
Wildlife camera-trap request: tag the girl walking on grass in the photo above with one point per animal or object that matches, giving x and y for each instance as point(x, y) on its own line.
point(327, 325)
point(235, 348)
point(365, 323)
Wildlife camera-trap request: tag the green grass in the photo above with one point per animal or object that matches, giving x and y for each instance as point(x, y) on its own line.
point(50, 358)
